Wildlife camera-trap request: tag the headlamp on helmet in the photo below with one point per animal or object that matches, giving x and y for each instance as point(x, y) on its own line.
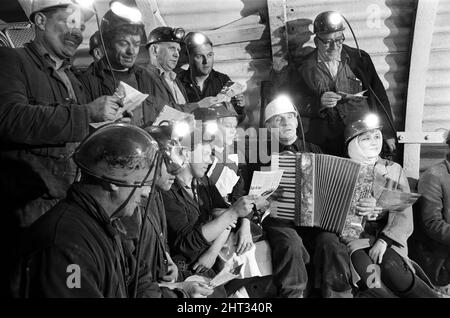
point(358, 127)
point(166, 34)
point(372, 120)
point(170, 147)
point(195, 39)
point(328, 22)
point(211, 128)
point(178, 33)
point(129, 13)
point(85, 4)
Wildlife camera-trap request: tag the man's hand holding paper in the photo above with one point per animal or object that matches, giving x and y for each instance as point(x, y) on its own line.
point(129, 99)
point(231, 89)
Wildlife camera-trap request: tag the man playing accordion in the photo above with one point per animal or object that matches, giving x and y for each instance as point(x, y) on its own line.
point(293, 246)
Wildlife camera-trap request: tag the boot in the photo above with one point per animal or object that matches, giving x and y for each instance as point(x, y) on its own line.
point(418, 290)
point(381, 292)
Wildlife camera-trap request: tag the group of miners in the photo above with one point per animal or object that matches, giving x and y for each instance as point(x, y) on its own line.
point(124, 209)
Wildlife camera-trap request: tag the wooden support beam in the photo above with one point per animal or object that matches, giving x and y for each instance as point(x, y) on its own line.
point(228, 36)
point(278, 33)
point(420, 53)
point(150, 14)
point(419, 137)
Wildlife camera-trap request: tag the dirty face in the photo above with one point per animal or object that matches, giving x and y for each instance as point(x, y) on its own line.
point(123, 50)
point(62, 30)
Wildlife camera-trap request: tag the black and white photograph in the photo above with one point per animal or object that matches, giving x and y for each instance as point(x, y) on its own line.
point(237, 151)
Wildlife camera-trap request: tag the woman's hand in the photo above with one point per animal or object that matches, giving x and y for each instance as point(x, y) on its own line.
point(377, 251)
point(368, 207)
point(197, 289)
point(205, 261)
point(244, 238)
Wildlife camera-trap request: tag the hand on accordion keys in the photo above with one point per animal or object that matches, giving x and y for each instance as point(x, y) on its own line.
point(367, 207)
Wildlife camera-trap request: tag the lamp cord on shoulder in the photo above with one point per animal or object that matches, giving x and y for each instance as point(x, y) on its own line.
point(158, 159)
point(97, 19)
point(390, 120)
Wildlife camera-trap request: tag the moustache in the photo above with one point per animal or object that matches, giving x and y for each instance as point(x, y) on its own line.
point(74, 37)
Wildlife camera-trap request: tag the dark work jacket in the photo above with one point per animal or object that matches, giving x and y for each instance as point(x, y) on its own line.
point(185, 218)
point(155, 236)
point(77, 231)
point(161, 95)
point(242, 185)
point(430, 244)
point(327, 125)
point(211, 87)
point(98, 81)
point(39, 130)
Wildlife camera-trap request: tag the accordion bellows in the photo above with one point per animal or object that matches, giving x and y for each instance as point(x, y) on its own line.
point(321, 191)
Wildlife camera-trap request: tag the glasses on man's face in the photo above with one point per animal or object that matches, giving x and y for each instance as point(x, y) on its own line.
point(337, 41)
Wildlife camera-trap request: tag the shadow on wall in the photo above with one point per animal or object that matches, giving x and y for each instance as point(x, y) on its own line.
point(259, 65)
point(287, 81)
point(399, 42)
point(399, 48)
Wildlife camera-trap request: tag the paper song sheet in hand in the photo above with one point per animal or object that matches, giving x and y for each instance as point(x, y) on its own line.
point(357, 96)
point(230, 90)
point(264, 183)
point(392, 200)
point(225, 275)
point(170, 114)
point(131, 99)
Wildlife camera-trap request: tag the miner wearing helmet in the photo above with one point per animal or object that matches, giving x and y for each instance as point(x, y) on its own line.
point(200, 79)
point(289, 255)
point(95, 50)
point(83, 235)
point(44, 112)
point(384, 239)
point(95, 47)
point(164, 45)
point(227, 173)
point(430, 247)
point(123, 34)
point(331, 74)
point(195, 235)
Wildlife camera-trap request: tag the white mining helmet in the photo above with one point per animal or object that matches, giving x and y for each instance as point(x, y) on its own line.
point(33, 6)
point(280, 105)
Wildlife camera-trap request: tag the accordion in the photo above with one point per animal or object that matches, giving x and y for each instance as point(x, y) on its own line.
point(321, 191)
